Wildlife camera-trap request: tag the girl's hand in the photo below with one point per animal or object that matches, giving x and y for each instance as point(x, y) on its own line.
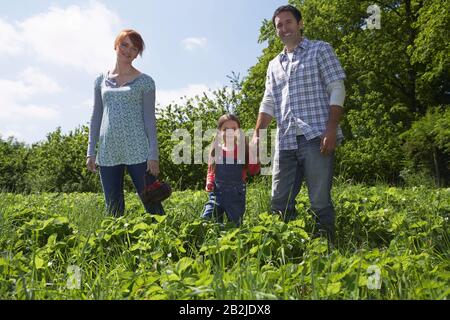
point(153, 167)
point(90, 164)
point(209, 187)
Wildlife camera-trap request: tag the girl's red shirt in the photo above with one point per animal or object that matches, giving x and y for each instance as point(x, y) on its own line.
point(250, 169)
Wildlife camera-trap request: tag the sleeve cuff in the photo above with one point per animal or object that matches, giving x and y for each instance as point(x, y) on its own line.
point(336, 91)
point(267, 106)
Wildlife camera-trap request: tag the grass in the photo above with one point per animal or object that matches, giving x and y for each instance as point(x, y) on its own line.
point(403, 232)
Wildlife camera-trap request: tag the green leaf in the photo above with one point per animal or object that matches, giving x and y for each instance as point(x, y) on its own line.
point(333, 288)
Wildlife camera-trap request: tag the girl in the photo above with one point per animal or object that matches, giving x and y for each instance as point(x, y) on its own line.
point(229, 162)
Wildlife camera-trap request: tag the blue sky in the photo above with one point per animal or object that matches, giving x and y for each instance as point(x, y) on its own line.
point(52, 50)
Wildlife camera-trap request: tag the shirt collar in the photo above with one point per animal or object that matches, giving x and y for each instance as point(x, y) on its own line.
point(302, 45)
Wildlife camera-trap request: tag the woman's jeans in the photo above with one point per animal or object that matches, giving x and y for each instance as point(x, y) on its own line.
point(306, 163)
point(112, 182)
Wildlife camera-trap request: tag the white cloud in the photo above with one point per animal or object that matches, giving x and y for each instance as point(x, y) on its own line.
point(9, 39)
point(80, 37)
point(74, 39)
point(166, 97)
point(193, 43)
point(20, 117)
point(11, 133)
point(36, 112)
point(38, 82)
point(16, 98)
point(88, 103)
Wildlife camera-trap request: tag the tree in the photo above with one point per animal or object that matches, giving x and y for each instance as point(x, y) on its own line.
point(204, 110)
point(427, 145)
point(58, 164)
point(394, 75)
point(13, 165)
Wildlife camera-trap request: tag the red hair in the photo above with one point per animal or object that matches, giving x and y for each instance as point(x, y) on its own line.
point(135, 39)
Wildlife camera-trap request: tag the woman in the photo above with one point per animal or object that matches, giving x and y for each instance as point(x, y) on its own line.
point(123, 124)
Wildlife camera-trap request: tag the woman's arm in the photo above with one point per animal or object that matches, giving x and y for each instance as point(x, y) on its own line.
point(150, 130)
point(94, 127)
point(96, 121)
point(150, 124)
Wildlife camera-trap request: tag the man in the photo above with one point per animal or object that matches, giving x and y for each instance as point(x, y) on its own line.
point(305, 93)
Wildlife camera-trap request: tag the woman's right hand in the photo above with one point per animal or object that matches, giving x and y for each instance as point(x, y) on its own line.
point(90, 164)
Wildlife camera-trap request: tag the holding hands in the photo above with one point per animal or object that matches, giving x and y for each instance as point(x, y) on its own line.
point(209, 187)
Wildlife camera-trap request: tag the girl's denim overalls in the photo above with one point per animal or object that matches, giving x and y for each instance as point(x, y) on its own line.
point(228, 195)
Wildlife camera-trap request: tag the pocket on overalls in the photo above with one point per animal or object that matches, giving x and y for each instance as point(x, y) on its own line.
point(241, 190)
point(240, 196)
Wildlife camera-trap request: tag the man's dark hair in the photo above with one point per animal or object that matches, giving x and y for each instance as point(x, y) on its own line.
point(297, 14)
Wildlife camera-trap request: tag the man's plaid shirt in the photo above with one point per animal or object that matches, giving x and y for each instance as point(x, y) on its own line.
point(300, 97)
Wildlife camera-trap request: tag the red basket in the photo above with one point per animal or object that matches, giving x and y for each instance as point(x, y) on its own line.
point(155, 192)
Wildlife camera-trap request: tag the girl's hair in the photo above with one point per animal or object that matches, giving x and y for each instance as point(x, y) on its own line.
point(227, 117)
point(215, 144)
point(135, 39)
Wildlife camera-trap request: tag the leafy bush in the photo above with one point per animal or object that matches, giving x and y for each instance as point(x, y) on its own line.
point(401, 231)
point(59, 164)
point(205, 110)
point(13, 165)
point(427, 145)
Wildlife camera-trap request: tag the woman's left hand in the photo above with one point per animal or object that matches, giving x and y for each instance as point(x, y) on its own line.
point(153, 167)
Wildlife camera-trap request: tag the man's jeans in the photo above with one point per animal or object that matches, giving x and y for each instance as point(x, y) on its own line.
point(306, 163)
point(112, 183)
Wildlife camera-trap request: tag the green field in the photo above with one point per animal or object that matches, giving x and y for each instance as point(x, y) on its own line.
point(62, 246)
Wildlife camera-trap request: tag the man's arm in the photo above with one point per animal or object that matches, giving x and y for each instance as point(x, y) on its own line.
point(266, 112)
point(336, 91)
point(266, 109)
point(333, 75)
point(263, 122)
point(328, 143)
